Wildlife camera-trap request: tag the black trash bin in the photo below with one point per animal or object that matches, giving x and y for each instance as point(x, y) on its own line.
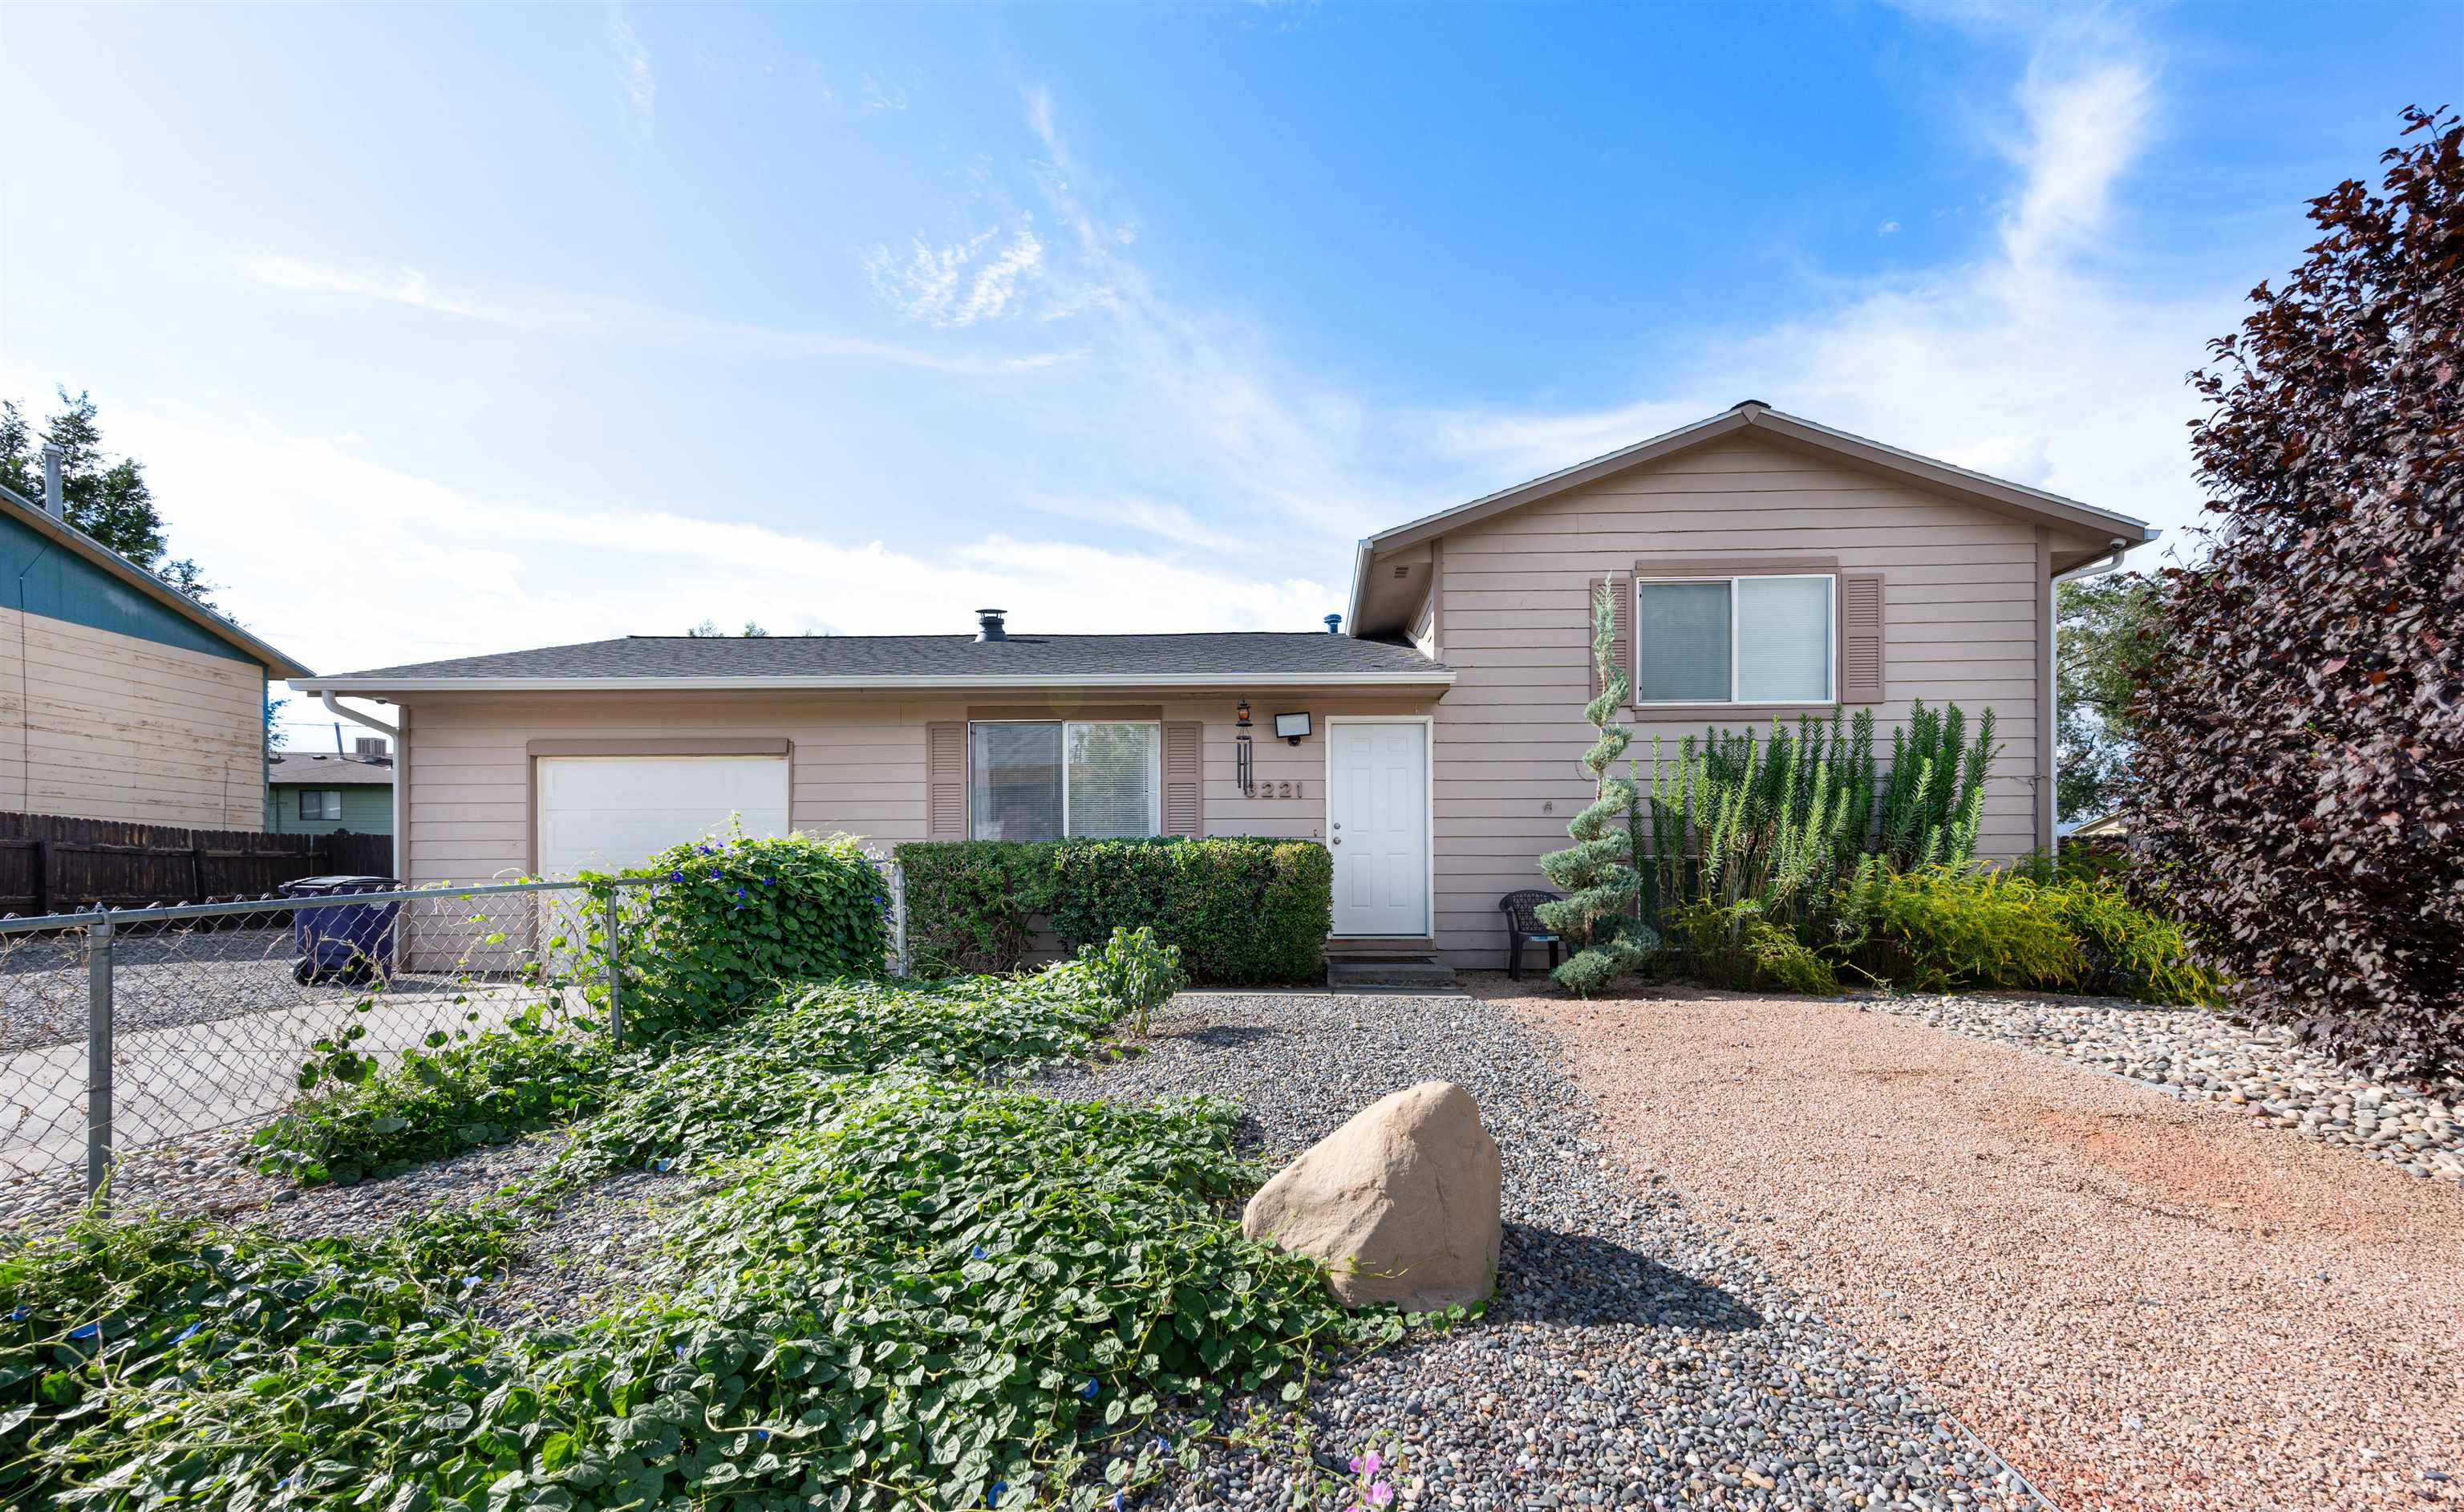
point(345, 942)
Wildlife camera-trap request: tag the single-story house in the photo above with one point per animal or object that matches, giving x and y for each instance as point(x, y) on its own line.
point(122, 697)
point(316, 793)
point(1763, 566)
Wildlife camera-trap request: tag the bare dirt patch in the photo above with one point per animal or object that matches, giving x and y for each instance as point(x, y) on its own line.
point(2141, 1302)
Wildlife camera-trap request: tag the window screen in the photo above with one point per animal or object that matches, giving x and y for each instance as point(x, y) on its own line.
point(1112, 776)
point(1783, 639)
point(1046, 779)
point(1681, 636)
point(1014, 781)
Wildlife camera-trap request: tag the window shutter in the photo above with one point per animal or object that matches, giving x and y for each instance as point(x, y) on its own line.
point(945, 780)
point(1184, 779)
point(1860, 638)
point(1621, 588)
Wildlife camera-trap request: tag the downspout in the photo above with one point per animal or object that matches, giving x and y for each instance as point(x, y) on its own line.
point(401, 772)
point(358, 718)
point(2098, 568)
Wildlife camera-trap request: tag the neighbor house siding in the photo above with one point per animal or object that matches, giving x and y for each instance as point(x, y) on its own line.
point(857, 766)
point(1961, 587)
point(367, 809)
point(99, 725)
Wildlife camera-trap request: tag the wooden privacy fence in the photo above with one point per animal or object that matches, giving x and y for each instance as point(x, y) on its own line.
point(49, 863)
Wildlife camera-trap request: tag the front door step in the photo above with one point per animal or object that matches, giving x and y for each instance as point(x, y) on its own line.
point(1417, 974)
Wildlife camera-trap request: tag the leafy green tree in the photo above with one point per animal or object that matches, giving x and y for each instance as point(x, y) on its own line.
point(709, 630)
point(107, 498)
point(2105, 638)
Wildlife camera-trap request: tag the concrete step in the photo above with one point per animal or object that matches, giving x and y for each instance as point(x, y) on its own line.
point(1421, 974)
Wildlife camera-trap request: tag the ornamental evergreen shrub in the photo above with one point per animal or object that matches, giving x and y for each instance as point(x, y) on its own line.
point(1604, 936)
point(1239, 909)
point(2300, 760)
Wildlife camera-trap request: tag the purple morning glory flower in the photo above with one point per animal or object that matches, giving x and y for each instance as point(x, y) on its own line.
point(187, 1333)
point(90, 1330)
point(675, 876)
point(762, 1434)
point(979, 1252)
point(740, 893)
point(1091, 1390)
point(993, 1496)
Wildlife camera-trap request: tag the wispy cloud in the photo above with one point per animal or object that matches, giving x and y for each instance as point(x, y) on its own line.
point(947, 286)
point(883, 95)
point(406, 286)
point(633, 72)
point(590, 317)
point(2047, 360)
point(477, 572)
point(1887, 229)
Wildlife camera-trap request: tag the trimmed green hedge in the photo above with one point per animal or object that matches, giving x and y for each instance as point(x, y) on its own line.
point(1240, 910)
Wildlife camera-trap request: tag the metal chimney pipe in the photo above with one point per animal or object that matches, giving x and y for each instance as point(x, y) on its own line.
point(1334, 624)
point(54, 503)
point(988, 624)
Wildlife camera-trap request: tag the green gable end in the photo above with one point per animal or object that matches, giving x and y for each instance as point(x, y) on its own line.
point(40, 576)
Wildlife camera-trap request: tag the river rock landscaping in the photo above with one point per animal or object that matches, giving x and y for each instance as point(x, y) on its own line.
point(2197, 1054)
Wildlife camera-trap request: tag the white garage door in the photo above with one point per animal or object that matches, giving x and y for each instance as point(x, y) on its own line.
point(601, 813)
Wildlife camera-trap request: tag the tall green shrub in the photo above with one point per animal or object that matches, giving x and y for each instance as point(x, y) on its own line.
point(725, 919)
point(1240, 909)
point(1597, 920)
point(1933, 802)
point(1735, 819)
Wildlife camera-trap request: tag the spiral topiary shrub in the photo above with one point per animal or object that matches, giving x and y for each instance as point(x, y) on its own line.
point(1597, 918)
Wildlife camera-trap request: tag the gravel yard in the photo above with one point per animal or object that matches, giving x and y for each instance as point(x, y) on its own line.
point(2191, 1053)
point(2142, 1301)
point(167, 981)
point(1637, 1355)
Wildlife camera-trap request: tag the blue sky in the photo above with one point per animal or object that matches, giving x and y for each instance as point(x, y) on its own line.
point(444, 331)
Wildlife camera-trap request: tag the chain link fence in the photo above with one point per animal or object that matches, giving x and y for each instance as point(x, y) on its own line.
point(159, 1029)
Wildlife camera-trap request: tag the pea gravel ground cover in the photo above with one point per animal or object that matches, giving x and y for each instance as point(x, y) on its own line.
point(1638, 1354)
point(2144, 1302)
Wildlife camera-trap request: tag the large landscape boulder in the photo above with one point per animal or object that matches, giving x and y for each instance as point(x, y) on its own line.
point(1401, 1202)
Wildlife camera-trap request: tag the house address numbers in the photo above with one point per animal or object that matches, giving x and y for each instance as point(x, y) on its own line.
point(1276, 790)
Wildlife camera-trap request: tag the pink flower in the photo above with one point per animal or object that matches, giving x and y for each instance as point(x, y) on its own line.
point(1380, 1494)
point(1366, 1464)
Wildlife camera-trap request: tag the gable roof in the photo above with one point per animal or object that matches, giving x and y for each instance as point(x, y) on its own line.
point(312, 768)
point(61, 533)
point(912, 661)
point(1992, 492)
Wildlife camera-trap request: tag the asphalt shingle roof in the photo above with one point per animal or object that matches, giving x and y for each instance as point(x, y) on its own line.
point(1242, 653)
point(306, 769)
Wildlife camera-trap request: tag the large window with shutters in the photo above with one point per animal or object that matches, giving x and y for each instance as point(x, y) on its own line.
point(1050, 779)
point(1743, 640)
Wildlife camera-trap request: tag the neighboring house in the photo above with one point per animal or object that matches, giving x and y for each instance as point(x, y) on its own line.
point(316, 794)
point(2104, 826)
point(121, 697)
point(1763, 566)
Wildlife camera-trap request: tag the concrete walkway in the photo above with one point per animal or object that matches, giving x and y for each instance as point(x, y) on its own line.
point(193, 1078)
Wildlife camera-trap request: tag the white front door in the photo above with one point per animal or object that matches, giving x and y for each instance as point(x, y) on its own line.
point(1377, 823)
point(603, 813)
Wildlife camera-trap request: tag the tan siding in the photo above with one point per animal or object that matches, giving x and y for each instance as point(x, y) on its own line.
point(1960, 624)
point(99, 725)
point(858, 767)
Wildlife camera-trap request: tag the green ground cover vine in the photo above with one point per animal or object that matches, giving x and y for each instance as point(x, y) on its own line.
point(904, 1281)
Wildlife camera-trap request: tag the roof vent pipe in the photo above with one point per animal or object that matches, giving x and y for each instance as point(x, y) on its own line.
point(988, 624)
point(1334, 624)
point(54, 504)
